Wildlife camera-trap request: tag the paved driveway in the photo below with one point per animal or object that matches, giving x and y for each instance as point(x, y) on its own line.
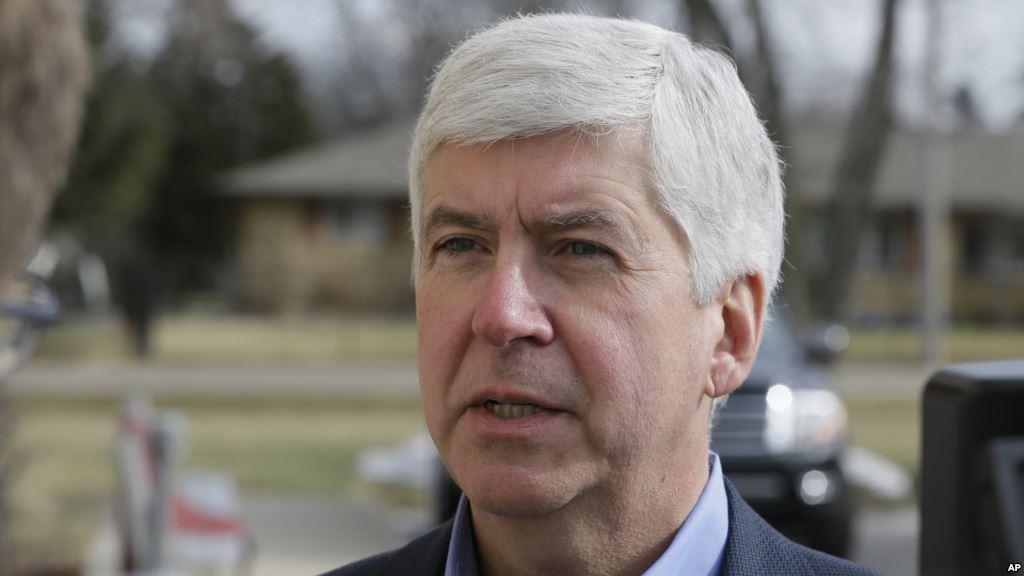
point(312, 535)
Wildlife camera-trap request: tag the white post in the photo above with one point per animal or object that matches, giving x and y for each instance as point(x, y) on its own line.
point(169, 432)
point(934, 272)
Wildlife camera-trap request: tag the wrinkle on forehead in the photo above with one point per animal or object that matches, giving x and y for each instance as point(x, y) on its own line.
point(591, 167)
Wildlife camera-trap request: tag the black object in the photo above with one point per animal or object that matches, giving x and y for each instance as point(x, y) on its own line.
point(972, 469)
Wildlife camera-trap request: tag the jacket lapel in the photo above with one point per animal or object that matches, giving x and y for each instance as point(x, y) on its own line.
point(754, 548)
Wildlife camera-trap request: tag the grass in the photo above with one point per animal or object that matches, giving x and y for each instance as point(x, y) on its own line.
point(962, 344)
point(292, 447)
point(64, 475)
point(891, 429)
point(334, 339)
point(206, 340)
point(282, 446)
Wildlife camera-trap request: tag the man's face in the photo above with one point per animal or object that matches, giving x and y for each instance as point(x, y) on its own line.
point(560, 353)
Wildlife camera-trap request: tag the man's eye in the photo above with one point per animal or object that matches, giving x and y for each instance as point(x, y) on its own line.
point(577, 248)
point(457, 245)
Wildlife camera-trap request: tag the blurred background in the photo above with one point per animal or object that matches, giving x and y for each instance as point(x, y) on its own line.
point(231, 251)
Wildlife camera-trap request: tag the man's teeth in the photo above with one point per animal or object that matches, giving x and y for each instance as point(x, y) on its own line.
point(509, 411)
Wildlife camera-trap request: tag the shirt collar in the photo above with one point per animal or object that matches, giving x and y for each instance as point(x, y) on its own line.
point(699, 546)
point(696, 550)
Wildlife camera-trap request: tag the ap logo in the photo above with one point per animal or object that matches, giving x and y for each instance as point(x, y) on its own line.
point(1013, 568)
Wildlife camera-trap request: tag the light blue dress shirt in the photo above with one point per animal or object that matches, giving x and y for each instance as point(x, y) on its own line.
point(696, 550)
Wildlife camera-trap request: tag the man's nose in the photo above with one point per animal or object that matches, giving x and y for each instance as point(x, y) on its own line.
point(510, 310)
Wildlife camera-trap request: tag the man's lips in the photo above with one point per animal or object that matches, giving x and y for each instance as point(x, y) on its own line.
point(512, 397)
point(506, 414)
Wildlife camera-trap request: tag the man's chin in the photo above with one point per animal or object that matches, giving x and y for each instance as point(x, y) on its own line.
point(519, 496)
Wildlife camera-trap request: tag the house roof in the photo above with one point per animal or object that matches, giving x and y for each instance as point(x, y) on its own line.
point(987, 171)
point(367, 164)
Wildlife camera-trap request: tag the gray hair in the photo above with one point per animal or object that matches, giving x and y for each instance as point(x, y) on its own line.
point(713, 168)
point(44, 71)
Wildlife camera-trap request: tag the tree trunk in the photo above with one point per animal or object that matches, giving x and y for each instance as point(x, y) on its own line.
point(863, 150)
point(705, 25)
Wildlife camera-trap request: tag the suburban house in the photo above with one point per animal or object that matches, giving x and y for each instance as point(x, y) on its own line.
point(325, 227)
point(328, 227)
point(984, 232)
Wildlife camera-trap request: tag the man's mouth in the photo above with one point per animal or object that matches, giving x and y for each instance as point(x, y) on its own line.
point(511, 410)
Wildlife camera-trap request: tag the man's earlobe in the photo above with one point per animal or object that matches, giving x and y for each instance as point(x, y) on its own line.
point(743, 308)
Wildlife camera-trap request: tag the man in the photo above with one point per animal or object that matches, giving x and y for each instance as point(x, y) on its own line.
point(597, 214)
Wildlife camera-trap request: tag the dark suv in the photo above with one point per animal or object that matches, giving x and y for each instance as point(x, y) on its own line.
point(780, 437)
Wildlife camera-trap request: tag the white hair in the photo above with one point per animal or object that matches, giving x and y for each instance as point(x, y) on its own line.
point(713, 168)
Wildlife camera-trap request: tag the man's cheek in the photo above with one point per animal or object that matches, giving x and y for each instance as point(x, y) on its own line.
point(440, 421)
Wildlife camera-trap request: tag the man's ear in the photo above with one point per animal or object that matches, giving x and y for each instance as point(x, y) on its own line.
point(743, 306)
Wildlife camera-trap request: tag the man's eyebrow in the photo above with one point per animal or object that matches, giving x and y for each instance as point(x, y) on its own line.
point(594, 218)
point(603, 220)
point(448, 216)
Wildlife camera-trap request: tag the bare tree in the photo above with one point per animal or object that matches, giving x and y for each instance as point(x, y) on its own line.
point(705, 25)
point(864, 147)
point(43, 63)
point(853, 186)
point(383, 76)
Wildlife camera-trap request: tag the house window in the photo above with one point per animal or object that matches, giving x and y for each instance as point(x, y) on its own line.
point(1018, 252)
point(992, 247)
point(973, 244)
point(1004, 257)
point(885, 244)
point(363, 222)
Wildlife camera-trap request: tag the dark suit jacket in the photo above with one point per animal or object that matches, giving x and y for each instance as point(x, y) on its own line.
point(753, 549)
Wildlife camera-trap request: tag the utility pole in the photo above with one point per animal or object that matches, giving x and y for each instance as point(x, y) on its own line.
point(935, 276)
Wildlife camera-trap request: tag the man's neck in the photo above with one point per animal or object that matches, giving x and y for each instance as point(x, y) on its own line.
point(620, 533)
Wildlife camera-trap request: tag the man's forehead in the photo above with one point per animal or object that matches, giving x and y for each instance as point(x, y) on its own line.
point(568, 151)
point(554, 176)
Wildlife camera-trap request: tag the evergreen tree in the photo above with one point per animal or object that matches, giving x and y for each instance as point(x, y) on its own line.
point(231, 102)
point(121, 148)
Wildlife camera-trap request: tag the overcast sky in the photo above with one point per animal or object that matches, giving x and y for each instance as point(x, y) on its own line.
point(823, 48)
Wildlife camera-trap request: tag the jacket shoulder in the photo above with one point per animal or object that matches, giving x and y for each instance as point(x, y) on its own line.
point(755, 548)
point(824, 565)
point(424, 556)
